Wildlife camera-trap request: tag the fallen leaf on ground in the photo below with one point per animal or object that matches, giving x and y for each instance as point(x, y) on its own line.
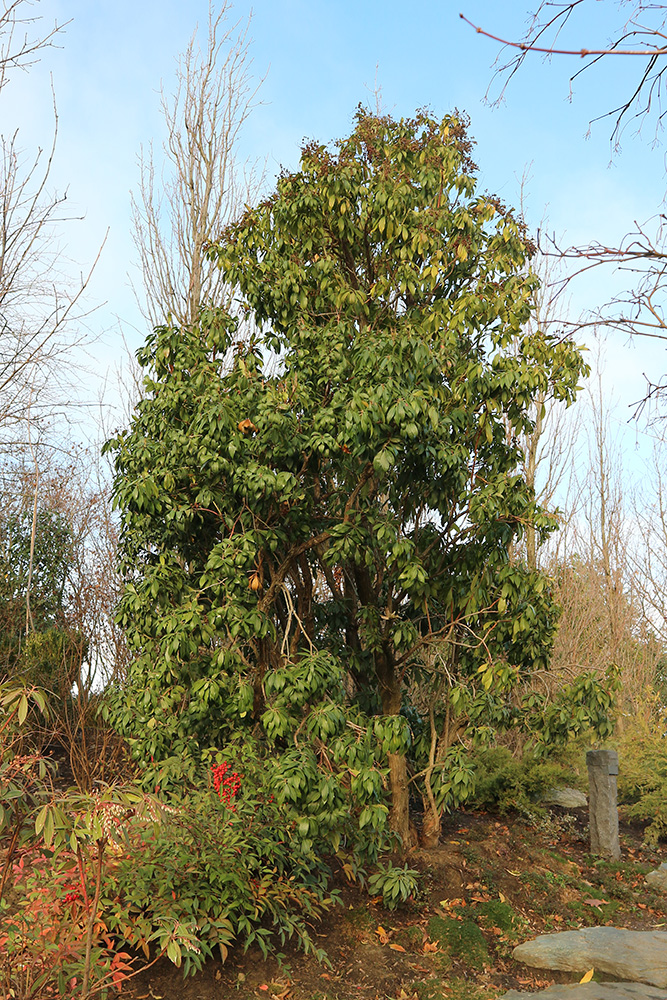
point(597, 902)
point(382, 934)
point(586, 978)
point(430, 946)
point(396, 947)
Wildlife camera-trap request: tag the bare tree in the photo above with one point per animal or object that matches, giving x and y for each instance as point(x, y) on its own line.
point(641, 256)
point(641, 34)
point(38, 302)
point(599, 565)
point(549, 448)
point(185, 203)
point(22, 42)
point(650, 555)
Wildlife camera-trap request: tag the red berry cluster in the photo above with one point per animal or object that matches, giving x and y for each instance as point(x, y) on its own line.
point(72, 896)
point(227, 785)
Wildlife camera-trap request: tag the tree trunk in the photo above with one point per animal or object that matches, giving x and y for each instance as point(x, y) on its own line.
point(430, 832)
point(430, 835)
point(390, 692)
point(399, 813)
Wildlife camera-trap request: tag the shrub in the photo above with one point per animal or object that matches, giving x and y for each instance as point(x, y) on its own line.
point(227, 865)
point(642, 779)
point(506, 782)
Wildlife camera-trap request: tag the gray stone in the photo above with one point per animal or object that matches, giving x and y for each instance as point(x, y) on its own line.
point(594, 991)
point(568, 798)
point(640, 956)
point(658, 878)
point(603, 809)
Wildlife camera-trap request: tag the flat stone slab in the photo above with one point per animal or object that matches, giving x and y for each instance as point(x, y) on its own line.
point(638, 956)
point(594, 991)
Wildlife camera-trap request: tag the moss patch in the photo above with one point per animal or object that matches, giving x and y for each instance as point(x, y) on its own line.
point(495, 913)
point(429, 989)
point(410, 938)
point(462, 938)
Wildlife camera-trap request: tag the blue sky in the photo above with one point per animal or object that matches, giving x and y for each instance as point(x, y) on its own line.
point(320, 58)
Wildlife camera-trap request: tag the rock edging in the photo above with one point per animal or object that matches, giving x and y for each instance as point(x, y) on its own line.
point(637, 956)
point(593, 991)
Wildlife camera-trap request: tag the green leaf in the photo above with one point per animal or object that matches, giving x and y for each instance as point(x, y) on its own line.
point(49, 827)
point(40, 819)
point(23, 709)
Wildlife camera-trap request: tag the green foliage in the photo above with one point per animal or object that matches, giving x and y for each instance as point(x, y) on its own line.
point(453, 780)
point(642, 779)
point(587, 704)
point(309, 512)
point(23, 784)
point(51, 567)
point(205, 873)
point(92, 875)
point(506, 782)
point(47, 846)
point(52, 659)
point(396, 885)
point(252, 870)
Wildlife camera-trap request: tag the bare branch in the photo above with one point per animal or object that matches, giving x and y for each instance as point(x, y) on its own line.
point(527, 47)
point(19, 46)
point(644, 35)
point(39, 302)
point(184, 205)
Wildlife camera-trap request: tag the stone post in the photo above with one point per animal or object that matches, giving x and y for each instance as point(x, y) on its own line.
point(602, 807)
